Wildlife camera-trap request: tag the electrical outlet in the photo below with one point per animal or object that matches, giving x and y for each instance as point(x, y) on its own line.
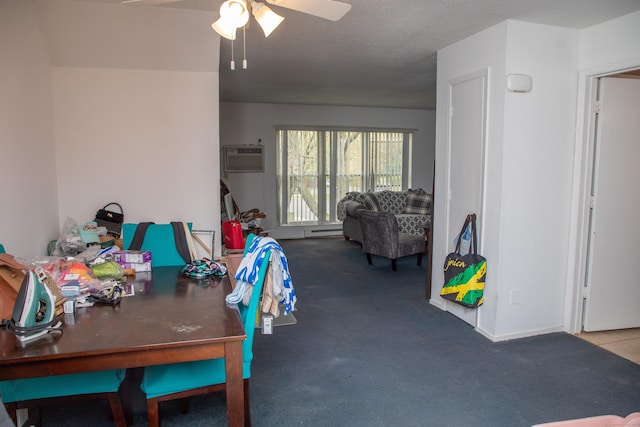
point(514, 297)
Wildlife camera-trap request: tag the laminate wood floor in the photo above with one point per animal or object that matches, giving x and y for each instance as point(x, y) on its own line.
point(623, 342)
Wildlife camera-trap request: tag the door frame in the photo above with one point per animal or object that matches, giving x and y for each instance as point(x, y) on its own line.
point(470, 316)
point(581, 194)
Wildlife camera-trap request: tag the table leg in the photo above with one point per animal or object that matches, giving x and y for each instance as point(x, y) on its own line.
point(235, 384)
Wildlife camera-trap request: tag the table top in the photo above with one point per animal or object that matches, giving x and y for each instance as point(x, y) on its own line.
point(169, 313)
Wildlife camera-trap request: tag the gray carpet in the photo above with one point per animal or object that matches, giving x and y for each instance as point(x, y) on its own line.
point(368, 350)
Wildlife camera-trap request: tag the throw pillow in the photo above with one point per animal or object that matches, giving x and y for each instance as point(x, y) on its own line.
point(392, 201)
point(418, 202)
point(371, 201)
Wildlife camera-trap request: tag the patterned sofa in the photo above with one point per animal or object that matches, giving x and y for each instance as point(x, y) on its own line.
point(412, 209)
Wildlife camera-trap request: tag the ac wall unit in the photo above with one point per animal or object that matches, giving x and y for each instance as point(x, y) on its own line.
point(244, 158)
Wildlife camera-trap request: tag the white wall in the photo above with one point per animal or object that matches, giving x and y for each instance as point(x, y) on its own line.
point(145, 139)
point(606, 48)
point(526, 211)
point(242, 124)
point(128, 115)
point(537, 156)
point(484, 51)
point(611, 43)
point(29, 207)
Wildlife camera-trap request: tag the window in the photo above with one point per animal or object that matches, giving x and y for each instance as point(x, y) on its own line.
point(317, 167)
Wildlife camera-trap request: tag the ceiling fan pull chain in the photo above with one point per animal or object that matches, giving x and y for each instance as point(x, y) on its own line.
point(244, 47)
point(233, 63)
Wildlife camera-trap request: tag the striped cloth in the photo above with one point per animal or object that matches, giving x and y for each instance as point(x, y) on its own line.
point(247, 274)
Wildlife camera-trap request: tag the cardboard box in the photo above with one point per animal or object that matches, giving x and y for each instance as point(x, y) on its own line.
point(11, 277)
point(136, 266)
point(137, 257)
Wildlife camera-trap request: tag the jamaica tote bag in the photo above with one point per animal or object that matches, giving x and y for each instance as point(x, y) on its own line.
point(464, 275)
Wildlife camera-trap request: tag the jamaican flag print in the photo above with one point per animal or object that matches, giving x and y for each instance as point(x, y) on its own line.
point(464, 275)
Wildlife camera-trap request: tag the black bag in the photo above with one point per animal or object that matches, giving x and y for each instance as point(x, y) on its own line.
point(111, 220)
point(464, 275)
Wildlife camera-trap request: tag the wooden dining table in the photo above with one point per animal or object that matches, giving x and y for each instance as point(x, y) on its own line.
point(170, 318)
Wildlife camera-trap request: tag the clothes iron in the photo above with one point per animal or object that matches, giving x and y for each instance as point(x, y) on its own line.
point(34, 313)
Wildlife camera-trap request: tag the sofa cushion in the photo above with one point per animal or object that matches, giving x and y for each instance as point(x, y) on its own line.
point(413, 224)
point(418, 202)
point(391, 201)
point(371, 201)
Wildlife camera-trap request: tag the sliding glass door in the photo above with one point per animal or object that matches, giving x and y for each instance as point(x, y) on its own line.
point(317, 167)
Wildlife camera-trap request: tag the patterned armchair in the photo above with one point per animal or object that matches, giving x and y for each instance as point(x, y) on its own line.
point(381, 237)
point(411, 208)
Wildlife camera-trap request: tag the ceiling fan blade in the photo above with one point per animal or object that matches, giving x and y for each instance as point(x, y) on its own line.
point(147, 2)
point(327, 9)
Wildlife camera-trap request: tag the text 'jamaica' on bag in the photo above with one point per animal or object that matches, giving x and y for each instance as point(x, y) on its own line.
point(464, 275)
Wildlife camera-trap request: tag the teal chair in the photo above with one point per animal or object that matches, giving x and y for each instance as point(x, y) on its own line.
point(32, 392)
point(159, 239)
point(179, 380)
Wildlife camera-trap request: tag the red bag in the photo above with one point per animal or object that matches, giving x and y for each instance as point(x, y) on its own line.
point(232, 233)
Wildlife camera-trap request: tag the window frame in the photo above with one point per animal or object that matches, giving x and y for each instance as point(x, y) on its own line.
point(327, 139)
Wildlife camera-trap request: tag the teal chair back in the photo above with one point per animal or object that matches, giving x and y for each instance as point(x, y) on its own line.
point(1, 249)
point(164, 380)
point(159, 240)
point(249, 313)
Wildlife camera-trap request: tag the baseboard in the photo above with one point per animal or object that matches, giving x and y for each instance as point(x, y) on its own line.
point(323, 232)
point(438, 302)
point(518, 335)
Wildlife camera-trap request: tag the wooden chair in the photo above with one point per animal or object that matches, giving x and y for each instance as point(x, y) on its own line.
point(35, 392)
point(180, 380)
point(160, 240)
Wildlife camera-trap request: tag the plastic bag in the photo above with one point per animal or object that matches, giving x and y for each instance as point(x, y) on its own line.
point(465, 245)
point(70, 243)
point(108, 270)
point(71, 272)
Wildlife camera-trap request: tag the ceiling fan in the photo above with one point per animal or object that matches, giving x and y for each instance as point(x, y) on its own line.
point(234, 14)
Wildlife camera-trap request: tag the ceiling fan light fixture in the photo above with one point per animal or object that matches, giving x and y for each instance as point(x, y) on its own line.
point(225, 29)
point(235, 12)
point(267, 18)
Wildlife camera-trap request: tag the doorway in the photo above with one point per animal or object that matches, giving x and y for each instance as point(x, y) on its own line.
point(466, 165)
point(610, 289)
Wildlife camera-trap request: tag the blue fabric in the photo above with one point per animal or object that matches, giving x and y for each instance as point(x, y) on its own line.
point(61, 385)
point(161, 380)
point(159, 240)
point(259, 249)
point(1, 249)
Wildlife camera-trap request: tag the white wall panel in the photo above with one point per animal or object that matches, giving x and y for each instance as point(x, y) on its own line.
point(146, 139)
point(29, 206)
point(528, 178)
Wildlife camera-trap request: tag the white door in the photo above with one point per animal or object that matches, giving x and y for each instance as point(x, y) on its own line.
point(613, 283)
point(466, 163)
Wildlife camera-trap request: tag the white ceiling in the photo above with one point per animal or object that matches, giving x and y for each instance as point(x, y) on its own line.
point(382, 53)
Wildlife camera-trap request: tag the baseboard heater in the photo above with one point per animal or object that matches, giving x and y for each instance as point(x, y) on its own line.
point(323, 232)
